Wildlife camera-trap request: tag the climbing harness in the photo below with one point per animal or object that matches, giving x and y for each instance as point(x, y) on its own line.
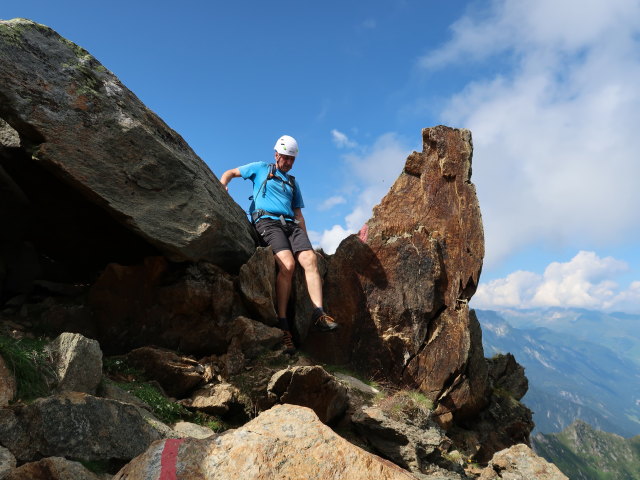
point(290, 180)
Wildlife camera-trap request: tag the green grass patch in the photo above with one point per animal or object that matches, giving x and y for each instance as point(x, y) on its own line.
point(28, 361)
point(167, 411)
point(345, 371)
point(163, 408)
point(406, 404)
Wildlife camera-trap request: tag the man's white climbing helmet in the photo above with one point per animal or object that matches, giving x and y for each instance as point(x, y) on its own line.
point(287, 145)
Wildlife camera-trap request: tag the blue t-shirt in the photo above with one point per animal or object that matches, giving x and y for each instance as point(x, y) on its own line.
point(277, 196)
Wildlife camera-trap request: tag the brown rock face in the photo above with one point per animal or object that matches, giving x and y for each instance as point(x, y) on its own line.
point(311, 387)
point(401, 290)
point(187, 307)
point(505, 421)
point(286, 441)
point(256, 282)
point(178, 375)
point(507, 374)
point(81, 129)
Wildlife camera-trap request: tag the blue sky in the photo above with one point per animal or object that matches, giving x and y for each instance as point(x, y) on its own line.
point(549, 89)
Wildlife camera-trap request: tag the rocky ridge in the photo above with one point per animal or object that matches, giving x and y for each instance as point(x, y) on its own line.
point(583, 452)
point(122, 236)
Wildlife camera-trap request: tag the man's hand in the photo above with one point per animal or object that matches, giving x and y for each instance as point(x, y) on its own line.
point(297, 212)
point(228, 176)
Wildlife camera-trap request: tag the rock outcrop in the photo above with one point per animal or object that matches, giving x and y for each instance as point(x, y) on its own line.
point(506, 374)
point(77, 361)
point(416, 447)
point(97, 175)
point(520, 463)
point(312, 387)
point(401, 288)
point(286, 441)
point(505, 421)
point(176, 374)
point(256, 283)
point(75, 425)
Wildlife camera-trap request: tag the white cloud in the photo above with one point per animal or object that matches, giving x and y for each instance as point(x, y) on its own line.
point(330, 239)
point(627, 300)
point(341, 140)
point(512, 290)
point(332, 202)
point(372, 173)
point(554, 159)
point(586, 281)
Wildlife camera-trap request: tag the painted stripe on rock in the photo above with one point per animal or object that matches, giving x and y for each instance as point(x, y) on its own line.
point(169, 459)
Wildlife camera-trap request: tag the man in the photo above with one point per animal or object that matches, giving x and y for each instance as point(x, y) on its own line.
point(277, 214)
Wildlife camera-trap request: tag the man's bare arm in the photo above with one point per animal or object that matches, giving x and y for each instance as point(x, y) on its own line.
point(297, 212)
point(228, 176)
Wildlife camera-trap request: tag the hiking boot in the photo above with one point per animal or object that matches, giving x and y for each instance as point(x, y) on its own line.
point(287, 341)
point(325, 323)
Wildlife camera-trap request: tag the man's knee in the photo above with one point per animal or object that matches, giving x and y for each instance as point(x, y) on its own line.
point(308, 260)
point(286, 263)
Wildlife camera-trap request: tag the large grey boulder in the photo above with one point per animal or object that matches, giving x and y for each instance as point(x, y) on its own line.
point(80, 124)
point(76, 425)
point(7, 462)
point(412, 446)
point(286, 441)
point(77, 361)
point(52, 468)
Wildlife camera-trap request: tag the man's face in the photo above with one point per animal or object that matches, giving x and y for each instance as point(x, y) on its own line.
point(284, 162)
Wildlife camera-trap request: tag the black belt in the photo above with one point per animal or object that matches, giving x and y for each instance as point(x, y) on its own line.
point(257, 214)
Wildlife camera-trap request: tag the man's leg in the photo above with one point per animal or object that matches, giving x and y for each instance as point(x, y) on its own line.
point(286, 266)
point(273, 234)
point(309, 262)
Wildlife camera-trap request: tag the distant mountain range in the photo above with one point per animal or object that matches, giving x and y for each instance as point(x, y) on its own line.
point(584, 453)
point(619, 332)
point(580, 365)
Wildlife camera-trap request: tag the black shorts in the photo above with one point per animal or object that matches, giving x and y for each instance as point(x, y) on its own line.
point(283, 237)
